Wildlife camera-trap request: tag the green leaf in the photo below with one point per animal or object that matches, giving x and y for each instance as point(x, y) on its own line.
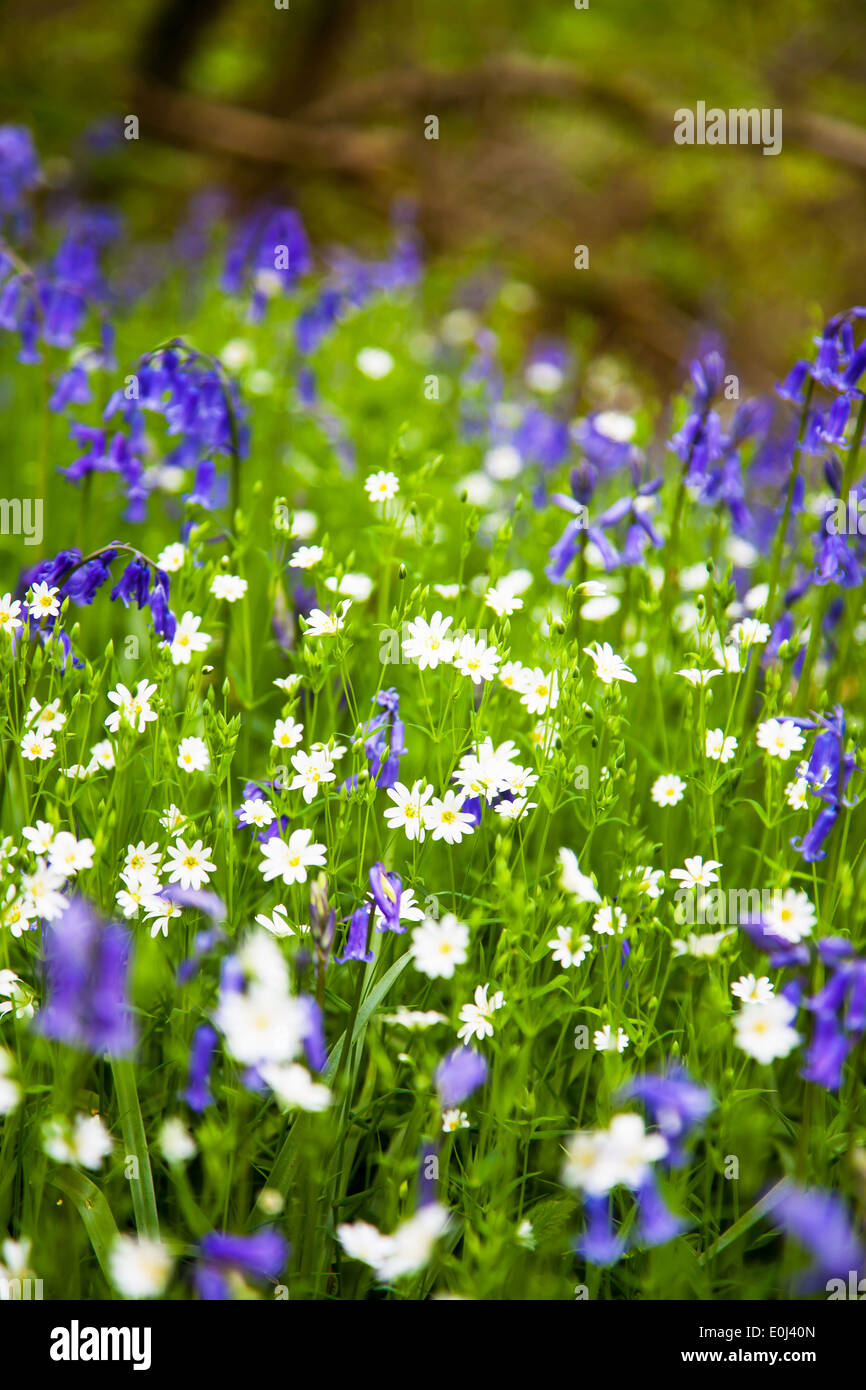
point(94, 1211)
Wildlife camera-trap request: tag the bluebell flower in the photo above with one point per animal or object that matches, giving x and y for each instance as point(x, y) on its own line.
point(657, 1224)
point(201, 1054)
point(260, 1256)
point(315, 1047)
point(819, 1221)
point(19, 168)
point(827, 774)
point(356, 940)
point(599, 1243)
point(460, 1073)
point(676, 1103)
point(87, 970)
point(269, 253)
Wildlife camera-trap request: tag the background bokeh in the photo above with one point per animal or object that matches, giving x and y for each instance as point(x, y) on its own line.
point(556, 128)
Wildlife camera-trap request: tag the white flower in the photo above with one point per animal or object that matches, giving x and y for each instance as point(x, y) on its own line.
point(694, 676)
point(134, 710)
point(406, 1251)
point(40, 892)
point(448, 591)
point(566, 950)
point(701, 946)
point(159, 911)
point(192, 755)
point(795, 794)
point(294, 1088)
point(311, 770)
point(445, 820)
point(749, 633)
point(15, 997)
point(277, 923)
point(38, 836)
point(85, 1141)
point(753, 990)
point(142, 858)
point(10, 1091)
point(189, 865)
point(668, 790)
point(728, 658)
point(790, 915)
point(42, 600)
point(176, 1142)
point(697, 873)
point(609, 921)
point(171, 558)
point(37, 747)
point(453, 1120)
point(429, 643)
point(408, 812)
point(374, 362)
point(606, 1040)
point(47, 719)
point(615, 425)
point(438, 947)
point(511, 675)
point(321, 624)
point(139, 1267)
point(779, 738)
point(764, 1030)
point(539, 690)
point(502, 601)
point(101, 755)
point(363, 1242)
point(289, 684)
point(140, 889)
point(9, 609)
point(351, 585)
point(259, 813)
point(287, 733)
point(306, 556)
point(487, 770)
point(516, 809)
point(608, 666)
point(415, 1018)
point(229, 587)
point(67, 855)
point(264, 1024)
point(621, 1154)
point(291, 861)
point(382, 487)
point(187, 639)
point(720, 747)
point(573, 881)
point(476, 1017)
point(475, 659)
point(649, 881)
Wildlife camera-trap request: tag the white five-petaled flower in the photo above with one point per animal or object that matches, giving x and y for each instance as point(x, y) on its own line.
point(229, 587)
point(133, 710)
point(503, 601)
point(779, 738)
point(287, 733)
point(192, 755)
point(609, 921)
point(697, 872)
point(321, 624)
point(189, 865)
point(790, 915)
point(567, 949)
point(606, 1040)
point(188, 639)
point(37, 747)
point(446, 821)
point(476, 1018)
point(67, 855)
point(172, 557)
point(749, 633)
point(438, 947)
point(382, 486)
point(720, 747)
point(290, 861)
point(9, 610)
point(764, 1030)
point(539, 690)
point(429, 643)
point(258, 812)
point(608, 666)
point(139, 1267)
point(668, 790)
point(753, 990)
point(695, 676)
point(311, 771)
point(573, 881)
point(306, 556)
point(46, 719)
point(408, 813)
point(42, 600)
